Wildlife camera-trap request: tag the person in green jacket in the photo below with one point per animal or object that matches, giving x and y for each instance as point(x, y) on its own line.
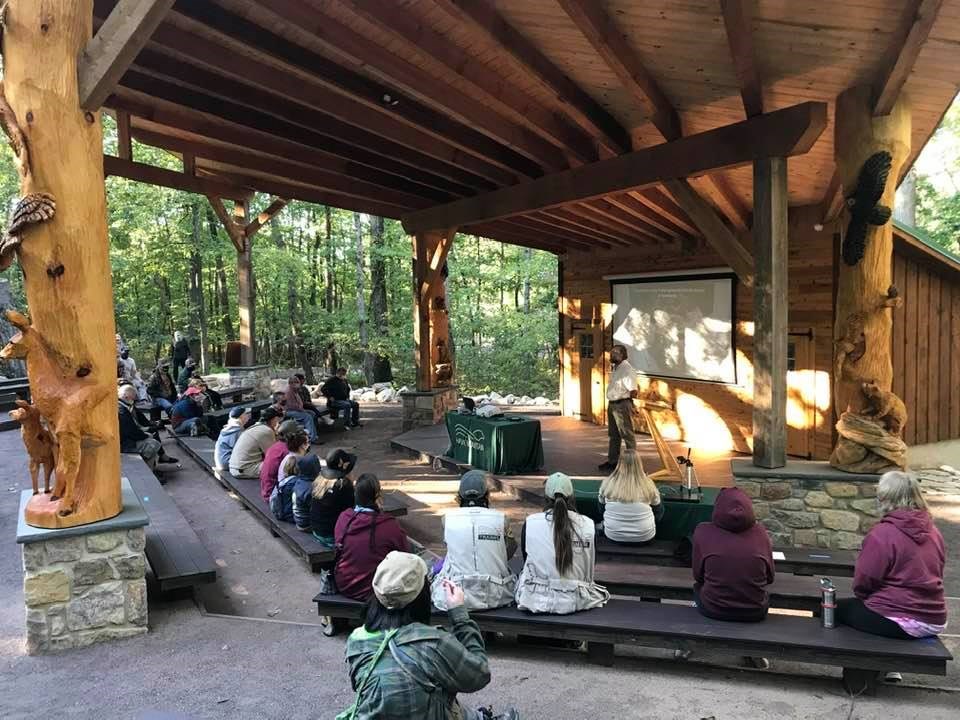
point(400, 666)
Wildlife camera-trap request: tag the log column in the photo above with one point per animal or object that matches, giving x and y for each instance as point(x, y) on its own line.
point(65, 260)
point(431, 325)
point(246, 289)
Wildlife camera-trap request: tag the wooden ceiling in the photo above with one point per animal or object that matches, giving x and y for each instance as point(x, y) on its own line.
point(391, 106)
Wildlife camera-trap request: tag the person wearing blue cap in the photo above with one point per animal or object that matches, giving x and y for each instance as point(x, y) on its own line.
point(227, 440)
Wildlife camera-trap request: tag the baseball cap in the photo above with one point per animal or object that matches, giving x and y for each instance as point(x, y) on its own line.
point(270, 413)
point(288, 427)
point(192, 390)
point(399, 579)
point(559, 484)
point(308, 466)
point(473, 485)
point(238, 412)
point(339, 464)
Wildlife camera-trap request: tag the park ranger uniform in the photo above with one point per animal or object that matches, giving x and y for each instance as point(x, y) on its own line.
point(623, 382)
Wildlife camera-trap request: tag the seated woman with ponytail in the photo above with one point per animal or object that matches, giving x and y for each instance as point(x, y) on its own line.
point(631, 502)
point(364, 537)
point(559, 554)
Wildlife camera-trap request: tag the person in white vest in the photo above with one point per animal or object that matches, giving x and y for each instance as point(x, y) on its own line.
point(479, 545)
point(559, 553)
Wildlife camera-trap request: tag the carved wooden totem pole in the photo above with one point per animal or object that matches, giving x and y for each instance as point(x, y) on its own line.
point(59, 234)
point(870, 151)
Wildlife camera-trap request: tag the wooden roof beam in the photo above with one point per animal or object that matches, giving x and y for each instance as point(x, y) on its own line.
point(170, 178)
point(233, 228)
point(791, 131)
point(483, 18)
point(897, 64)
point(110, 52)
point(265, 216)
point(738, 21)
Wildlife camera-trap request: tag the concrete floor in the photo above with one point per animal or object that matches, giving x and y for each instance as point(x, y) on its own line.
point(265, 657)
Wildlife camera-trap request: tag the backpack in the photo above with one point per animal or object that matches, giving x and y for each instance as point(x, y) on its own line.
point(302, 495)
point(281, 499)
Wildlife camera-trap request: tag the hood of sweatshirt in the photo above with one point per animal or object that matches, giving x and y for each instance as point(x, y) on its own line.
point(915, 524)
point(362, 522)
point(733, 510)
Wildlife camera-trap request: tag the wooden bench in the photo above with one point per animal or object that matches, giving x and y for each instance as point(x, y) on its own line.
point(316, 555)
point(652, 582)
point(215, 420)
point(799, 561)
point(235, 392)
point(176, 555)
point(628, 622)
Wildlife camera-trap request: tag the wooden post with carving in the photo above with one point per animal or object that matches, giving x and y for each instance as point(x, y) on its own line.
point(431, 324)
point(870, 151)
point(68, 340)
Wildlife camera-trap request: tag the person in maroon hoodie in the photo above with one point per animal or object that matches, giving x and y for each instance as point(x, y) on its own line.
point(364, 537)
point(732, 561)
point(898, 578)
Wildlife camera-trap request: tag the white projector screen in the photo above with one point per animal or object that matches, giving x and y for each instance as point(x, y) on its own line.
point(677, 327)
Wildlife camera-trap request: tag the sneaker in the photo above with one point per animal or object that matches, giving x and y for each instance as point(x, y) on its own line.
point(486, 713)
point(194, 431)
point(894, 678)
point(346, 427)
point(607, 467)
point(357, 425)
point(168, 459)
point(760, 663)
point(682, 654)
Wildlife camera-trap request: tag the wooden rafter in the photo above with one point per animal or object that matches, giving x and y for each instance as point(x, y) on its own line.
point(239, 231)
point(109, 53)
point(233, 228)
point(738, 22)
point(483, 18)
point(124, 146)
point(783, 133)
point(897, 64)
point(264, 217)
point(169, 178)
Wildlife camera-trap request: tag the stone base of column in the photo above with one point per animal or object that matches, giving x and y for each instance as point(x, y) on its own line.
point(256, 375)
point(86, 584)
point(425, 408)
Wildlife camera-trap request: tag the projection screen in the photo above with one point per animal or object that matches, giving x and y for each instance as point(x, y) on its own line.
point(677, 326)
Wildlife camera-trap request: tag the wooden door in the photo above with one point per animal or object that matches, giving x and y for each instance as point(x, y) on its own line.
point(589, 350)
point(801, 394)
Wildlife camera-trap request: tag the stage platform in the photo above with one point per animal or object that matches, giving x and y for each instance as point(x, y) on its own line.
point(570, 446)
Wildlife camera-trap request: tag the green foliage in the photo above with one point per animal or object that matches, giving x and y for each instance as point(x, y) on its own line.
point(499, 342)
point(939, 215)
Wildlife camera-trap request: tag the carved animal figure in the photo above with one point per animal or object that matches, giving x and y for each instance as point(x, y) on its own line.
point(885, 407)
point(864, 205)
point(64, 396)
point(30, 210)
point(41, 447)
point(852, 345)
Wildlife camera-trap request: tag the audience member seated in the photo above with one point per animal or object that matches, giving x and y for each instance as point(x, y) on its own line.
point(180, 351)
point(337, 391)
point(137, 434)
point(273, 457)
point(160, 387)
point(227, 440)
point(898, 578)
point(127, 367)
point(294, 408)
point(209, 398)
point(402, 667)
point(307, 400)
point(332, 494)
point(296, 445)
point(630, 501)
point(479, 545)
point(559, 555)
point(252, 445)
point(189, 370)
point(308, 470)
point(186, 416)
point(364, 537)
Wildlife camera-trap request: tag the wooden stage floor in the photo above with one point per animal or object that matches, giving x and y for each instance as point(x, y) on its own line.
point(569, 446)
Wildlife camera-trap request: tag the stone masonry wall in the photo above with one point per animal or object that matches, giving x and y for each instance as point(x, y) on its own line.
point(423, 409)
point(809, 513)
point(84, 590)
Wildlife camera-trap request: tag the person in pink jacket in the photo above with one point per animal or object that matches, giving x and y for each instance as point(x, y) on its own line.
point(898, 578)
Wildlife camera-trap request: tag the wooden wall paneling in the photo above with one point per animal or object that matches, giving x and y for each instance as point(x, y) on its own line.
point(923, 352)
point(947, 378)
point(898, 350)
point(932, 376)
point(911, 302)
point(955, 361)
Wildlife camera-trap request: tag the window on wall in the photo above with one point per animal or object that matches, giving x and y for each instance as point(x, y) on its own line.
point(586, 345)
point(791, 356)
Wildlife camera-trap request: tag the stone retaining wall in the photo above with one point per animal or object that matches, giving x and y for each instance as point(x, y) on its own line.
point(423, 409)
point(810, 504)
point(85, 589)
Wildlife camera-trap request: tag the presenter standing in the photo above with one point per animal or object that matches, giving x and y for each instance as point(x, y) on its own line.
point(620, 393)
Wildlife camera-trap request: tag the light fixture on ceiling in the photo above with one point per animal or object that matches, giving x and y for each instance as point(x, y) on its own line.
point(389, 100)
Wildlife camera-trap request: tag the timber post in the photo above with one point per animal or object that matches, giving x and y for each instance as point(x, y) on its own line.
point(870, 151)
point(431, 325)
point(246, 293)
point(68, 340)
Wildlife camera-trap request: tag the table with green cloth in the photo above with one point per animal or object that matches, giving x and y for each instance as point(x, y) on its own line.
point(503, 444)
point(679, 520)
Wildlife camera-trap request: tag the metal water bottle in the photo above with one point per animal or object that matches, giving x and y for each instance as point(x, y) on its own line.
point(828, 603)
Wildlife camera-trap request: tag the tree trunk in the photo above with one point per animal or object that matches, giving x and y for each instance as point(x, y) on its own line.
point(328, 264)
point(196, 285)
point(382, 372)
point(72, 353)
point(527, 259)
point(361, 304)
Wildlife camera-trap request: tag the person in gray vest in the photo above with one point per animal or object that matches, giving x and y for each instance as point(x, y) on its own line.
point(479, 545)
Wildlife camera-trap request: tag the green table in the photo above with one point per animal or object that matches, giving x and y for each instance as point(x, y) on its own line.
point(679, 518)
point(505, 445)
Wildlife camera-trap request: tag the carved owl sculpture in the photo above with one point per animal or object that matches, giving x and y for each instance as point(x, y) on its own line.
point(864, 207)
point(32, 209)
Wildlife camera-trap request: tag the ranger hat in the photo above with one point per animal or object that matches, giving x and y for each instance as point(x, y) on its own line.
point(399, 579)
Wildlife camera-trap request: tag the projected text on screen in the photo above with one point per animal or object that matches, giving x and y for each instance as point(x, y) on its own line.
point(677, 327)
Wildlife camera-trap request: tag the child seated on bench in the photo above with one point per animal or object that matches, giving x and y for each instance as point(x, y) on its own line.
point(275, 454)
point(631, 502)
point(898, 578)
point(559, 554)
point(732, 561)
point(227, 440)
point(308, 469)
point(332, 494)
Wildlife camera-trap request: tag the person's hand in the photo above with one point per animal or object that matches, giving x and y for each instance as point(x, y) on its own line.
point(454, 594)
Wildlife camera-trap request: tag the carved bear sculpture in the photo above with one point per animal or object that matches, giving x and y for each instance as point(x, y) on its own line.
point(884, 407)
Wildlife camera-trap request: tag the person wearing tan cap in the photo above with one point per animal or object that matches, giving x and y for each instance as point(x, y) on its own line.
point(400, 666)
point(559, 553)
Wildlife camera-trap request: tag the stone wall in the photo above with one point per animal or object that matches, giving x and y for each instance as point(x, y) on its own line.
point(256, 375)
point(84, 589)
point(427, 408)
point(809, 504)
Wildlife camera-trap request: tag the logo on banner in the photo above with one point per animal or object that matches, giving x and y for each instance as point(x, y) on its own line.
point(472, 440)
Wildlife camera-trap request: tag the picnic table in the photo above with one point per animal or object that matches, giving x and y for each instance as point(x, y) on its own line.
point(680, 517)
point(504, 444)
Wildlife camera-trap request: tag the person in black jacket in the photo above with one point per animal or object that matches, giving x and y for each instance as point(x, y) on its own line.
point(161, 388)
point(332, 494)
point(337, 392)
point(137, 434)
point(180, 352)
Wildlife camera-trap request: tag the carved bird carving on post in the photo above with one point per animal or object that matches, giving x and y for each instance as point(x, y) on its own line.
point(864, 205)
point(32, 209)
